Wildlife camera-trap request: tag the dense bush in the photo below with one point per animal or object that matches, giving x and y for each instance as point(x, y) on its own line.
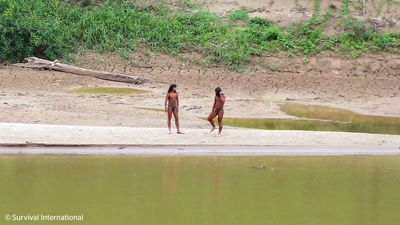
point(52, 29)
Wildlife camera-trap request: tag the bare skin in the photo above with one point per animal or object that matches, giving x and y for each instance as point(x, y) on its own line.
point(217, 110)
point(171, 108)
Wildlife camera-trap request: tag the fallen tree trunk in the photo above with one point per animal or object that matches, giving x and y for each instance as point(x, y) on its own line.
point(33, 62)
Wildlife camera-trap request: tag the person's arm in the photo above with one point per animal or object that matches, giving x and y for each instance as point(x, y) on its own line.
point(177, 100)
point(222, 97)
point(165, 103)
point(215, 99)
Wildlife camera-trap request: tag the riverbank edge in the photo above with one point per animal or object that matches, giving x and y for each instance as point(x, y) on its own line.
point(200, 150)
point(18, 138)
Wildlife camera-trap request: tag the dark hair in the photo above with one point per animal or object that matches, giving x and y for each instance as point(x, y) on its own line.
point(218, 91)
point(171, 87)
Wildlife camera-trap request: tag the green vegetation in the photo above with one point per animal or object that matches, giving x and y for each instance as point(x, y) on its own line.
point(321, 118)
point(345, 7)
point(54, 29)
point(108, 90)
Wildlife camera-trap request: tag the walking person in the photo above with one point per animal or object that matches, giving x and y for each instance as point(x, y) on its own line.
point(217, 110)
point(172, 106)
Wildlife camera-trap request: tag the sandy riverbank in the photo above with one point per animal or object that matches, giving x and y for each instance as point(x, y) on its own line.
point(46, 97)
point(40, 106)
point(63, 135)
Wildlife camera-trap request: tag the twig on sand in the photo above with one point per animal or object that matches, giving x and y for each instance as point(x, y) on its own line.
point(277, 89)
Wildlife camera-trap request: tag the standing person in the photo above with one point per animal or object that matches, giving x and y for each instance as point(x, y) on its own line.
point(217, 110)
point(172, 106)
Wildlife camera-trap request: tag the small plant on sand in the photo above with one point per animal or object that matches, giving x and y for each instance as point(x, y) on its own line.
point(239, 14)
point(272, 66)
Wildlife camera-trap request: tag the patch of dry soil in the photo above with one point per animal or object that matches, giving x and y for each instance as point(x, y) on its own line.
point(369, 84)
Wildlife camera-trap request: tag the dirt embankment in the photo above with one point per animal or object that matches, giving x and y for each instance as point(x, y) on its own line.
point(368, 84)
point(382, 15)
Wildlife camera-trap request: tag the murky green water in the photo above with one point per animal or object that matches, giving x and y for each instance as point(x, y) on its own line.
point(152, 109)
point(108, 90)
point(203, 190)
point(321, 118)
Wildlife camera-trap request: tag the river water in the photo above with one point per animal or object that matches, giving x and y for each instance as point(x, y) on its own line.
point(188, 190)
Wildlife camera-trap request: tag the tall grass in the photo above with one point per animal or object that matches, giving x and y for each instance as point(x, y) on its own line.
point(53, 29)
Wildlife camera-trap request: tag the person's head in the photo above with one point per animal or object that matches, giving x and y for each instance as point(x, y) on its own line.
point(172, 87)
point(218, 91)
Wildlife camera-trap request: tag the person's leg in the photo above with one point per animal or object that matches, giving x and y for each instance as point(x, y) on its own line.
point(220, 117)
point(176, 116)
point(211, 117)
point(169, 118)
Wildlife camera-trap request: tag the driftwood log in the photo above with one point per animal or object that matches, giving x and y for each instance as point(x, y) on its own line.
point(33, 62)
